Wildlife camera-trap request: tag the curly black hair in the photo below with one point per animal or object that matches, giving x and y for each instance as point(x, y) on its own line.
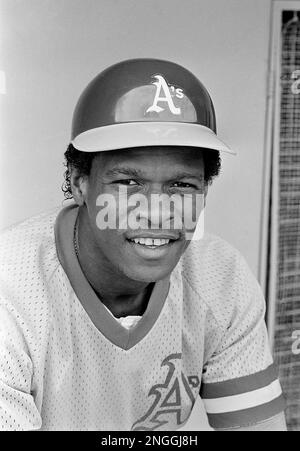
point(83, 162)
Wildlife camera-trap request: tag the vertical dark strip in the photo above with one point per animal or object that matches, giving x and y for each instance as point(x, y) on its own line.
point(287, 319)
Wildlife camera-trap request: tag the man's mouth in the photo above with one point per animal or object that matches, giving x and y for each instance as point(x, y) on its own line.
point(151, 242)
point(152, 245)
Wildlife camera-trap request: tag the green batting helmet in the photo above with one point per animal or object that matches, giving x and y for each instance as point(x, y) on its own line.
point(145, 102)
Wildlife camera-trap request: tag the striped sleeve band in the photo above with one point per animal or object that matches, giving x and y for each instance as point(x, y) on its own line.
point(244, 401)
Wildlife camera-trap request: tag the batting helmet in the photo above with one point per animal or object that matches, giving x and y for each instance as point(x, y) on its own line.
point(145, 102)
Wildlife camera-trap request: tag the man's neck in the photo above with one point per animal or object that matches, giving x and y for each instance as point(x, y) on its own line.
point(128, 305)
point(121, 295)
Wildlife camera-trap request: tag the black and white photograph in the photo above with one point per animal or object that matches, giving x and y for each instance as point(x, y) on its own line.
point(150, 218)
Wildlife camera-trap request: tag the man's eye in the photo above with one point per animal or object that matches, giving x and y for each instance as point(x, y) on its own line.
point(183, 185)
point(127, 182)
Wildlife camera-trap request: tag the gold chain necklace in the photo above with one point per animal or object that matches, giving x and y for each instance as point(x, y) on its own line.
point(75, 239)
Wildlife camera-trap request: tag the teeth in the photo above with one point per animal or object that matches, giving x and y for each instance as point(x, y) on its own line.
point(160, 241)
point(151, 241)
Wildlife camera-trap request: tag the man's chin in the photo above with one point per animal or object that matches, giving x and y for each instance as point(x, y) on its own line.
point(149, 275)
point(151, 263)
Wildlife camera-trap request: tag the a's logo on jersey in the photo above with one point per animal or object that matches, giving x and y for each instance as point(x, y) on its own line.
point(169, 397)
point(164, 95)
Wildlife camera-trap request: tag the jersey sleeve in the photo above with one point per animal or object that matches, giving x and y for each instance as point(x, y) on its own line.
point(18, 411)
point(240, 386)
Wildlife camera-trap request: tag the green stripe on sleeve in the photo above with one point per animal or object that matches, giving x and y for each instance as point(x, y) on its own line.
point(240, 385)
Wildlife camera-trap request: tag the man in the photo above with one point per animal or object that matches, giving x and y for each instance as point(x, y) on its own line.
point(119, 310)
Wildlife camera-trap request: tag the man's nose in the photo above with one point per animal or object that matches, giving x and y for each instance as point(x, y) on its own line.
point(157, 211)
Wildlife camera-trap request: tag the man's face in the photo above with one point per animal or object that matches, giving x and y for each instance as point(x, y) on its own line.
point(146, 172)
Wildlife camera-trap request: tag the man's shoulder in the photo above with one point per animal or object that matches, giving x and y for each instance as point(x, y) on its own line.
point(32, 229)
point(27, 246)
point(28, 262)
point(36, 223)
point(216, 271)
point(212, 255)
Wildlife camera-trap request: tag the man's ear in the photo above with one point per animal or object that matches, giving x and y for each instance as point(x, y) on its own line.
point(79, 186)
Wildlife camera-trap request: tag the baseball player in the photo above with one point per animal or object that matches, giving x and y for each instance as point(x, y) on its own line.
point(116, 314)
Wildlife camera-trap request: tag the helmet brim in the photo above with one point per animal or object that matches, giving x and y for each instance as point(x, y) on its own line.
point(141, 134)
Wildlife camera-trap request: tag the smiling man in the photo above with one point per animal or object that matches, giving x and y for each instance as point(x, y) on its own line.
point(118, 311)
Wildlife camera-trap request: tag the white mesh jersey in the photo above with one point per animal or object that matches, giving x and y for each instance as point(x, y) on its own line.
point(67, 364)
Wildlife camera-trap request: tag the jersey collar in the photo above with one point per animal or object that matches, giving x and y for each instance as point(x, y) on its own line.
point(98, 314)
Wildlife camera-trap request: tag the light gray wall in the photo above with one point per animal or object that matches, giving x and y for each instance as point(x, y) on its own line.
point(52, 48)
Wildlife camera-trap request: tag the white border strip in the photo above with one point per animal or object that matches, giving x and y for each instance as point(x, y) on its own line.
point(244, 401)
point(275, 143)
point(265, 204)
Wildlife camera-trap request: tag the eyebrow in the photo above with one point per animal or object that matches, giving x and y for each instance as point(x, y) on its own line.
point(124, 171)
point(131, 172)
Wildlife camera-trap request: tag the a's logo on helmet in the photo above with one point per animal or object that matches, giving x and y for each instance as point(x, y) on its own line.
point(164, 94)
